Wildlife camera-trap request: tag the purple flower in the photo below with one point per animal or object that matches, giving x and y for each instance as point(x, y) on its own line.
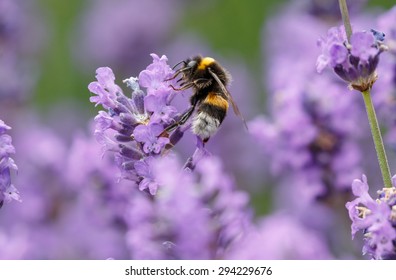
point(376, 218)
point(21, 38)
point(161, 228)
point(7, 191)
point(14, 245)
point(62, 186)
point(280, 237)
point(384, 92)
point(354, 61)
point(105, 89)
point(157, 104)
point(385, 23)
point(144, 170)
point(333, 49)
point(309, 137)
point(133, 127)
point(328, 146)
point(154, 75)
point(148, 135)
point(364, 45)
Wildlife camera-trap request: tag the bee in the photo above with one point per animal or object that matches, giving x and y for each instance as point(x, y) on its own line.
point(210, 99)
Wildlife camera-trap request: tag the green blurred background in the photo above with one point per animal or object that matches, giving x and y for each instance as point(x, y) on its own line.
point(240, 23)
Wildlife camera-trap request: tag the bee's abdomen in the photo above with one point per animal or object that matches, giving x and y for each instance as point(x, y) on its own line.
point(211, 113)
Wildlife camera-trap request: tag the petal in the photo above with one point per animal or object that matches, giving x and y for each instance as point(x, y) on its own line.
point(141, 133)
point(359, 187)
point(156, 129)
point(105, 76)
point(141, 168)
point(338, 54)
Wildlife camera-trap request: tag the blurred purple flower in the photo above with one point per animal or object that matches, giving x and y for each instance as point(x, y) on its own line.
point(144, 170)
point(281, 237)
point(384, 93)
point(7, 190)
point(355, 61)
point(312, 135)
point(363, 45)
point(65, 186)
point(385, 23)
point(13, 244)
point(376, 218)
point(193, 216)
point(21, 38)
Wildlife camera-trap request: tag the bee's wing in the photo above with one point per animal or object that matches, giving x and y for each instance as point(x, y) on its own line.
point(228, 94)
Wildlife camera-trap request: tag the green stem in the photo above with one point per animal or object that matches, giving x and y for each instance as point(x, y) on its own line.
point(379, 145)
point(345, 18)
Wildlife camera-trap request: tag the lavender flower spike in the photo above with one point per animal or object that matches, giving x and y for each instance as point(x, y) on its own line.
point(7, 191)
point(196, 215)
point(132, 127)
point(376, 218)
point(355, 61)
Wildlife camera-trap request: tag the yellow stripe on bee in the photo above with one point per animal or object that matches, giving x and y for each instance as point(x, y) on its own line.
point(205, 62)
point(216, 100)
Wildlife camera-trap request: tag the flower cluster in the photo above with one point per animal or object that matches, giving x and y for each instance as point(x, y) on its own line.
point(134, 127)
point(195, 215)
point(73, 185)
point(7, 190)
point(354, 61)
point(376, 218)
point(311, 137)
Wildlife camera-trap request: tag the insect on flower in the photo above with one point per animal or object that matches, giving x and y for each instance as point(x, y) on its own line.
point(210, 98)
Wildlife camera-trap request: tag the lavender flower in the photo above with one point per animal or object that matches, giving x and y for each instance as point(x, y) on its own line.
point(7, 190)
point(64, 186)
point(133, 127)
point(312, 135)
point(193, 216)
point(354, 61)
point(376, 218)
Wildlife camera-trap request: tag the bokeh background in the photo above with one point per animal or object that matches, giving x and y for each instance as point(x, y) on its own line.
point(49, 52)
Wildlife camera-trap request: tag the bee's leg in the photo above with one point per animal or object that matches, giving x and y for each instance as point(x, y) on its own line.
point(182, 120)
point(201, 82)
point(199, 153)
point(187, 86)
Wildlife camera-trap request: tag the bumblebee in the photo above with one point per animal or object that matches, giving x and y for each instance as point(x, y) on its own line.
point(210, 99)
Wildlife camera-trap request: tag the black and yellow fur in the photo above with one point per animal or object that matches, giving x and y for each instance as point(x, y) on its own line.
point(210, 98)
